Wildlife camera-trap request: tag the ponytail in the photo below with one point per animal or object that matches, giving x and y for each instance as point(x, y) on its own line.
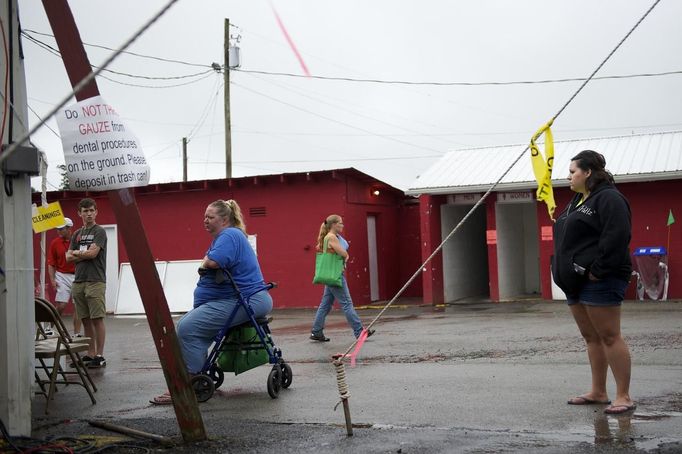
point(229, 209)
point(325, 228)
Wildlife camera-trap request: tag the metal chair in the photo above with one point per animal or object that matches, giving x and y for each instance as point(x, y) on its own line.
point(54, 348)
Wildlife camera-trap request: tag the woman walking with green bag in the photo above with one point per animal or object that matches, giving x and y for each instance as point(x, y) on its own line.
point(330, 236)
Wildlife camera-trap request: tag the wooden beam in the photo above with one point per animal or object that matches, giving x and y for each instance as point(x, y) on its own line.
point(132, 231)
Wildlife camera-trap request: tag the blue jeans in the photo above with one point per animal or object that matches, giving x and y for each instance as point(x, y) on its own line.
point(342, 295)
point(198, 327)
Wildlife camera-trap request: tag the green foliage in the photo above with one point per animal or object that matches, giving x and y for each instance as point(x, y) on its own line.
point(64, 185)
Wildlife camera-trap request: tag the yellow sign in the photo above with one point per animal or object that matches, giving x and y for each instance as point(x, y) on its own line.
point(542, 167)
point(47, 217)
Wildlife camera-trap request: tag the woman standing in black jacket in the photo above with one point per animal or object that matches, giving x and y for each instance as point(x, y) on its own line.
point(592, 266)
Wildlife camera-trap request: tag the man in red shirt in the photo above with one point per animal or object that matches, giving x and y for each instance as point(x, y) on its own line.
point(61, 272)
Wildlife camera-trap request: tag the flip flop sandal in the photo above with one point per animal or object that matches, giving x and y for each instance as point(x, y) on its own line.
point(163, 399)
point(619, 409)
point(582, 400)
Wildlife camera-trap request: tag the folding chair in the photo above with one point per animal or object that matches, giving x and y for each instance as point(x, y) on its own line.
point(54, 348)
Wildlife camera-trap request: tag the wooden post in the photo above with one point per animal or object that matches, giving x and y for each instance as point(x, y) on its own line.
point(184, 159)
point(141, 260)
point(228, 120)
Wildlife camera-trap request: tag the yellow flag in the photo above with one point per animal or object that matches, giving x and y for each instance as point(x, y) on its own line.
point(47, 217)
point(542, 167)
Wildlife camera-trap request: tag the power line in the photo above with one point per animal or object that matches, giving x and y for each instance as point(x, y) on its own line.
point(128, 84)
point(448, 134)
point(333, 120)
point(167, 60)
point(342, 106)
point(40, 118)
point(344, 159)
point(384, 81)
point(464, 84)
point(56, 52)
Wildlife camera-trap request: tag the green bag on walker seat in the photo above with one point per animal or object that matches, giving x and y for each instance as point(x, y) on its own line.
point(328, 268)
point(242, 351)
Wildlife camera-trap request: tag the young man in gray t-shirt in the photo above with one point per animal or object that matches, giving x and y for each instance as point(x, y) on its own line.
point(88, 250)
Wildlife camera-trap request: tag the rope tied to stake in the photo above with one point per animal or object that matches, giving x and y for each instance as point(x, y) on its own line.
point(344, 394)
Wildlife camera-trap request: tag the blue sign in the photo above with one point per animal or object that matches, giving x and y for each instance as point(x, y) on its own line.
point(658, 250)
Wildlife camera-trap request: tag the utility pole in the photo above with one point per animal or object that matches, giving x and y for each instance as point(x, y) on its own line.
point(184, 159)
point(16, 251)
point(228, 127)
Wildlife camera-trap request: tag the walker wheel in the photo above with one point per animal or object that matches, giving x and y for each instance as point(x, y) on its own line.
point(203, 387)
point(274, 381)
point(217, 375)
point(287, 375)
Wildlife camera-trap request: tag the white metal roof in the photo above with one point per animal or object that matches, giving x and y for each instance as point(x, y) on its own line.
point(644, 157)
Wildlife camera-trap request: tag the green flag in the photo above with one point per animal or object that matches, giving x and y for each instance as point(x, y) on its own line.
point(671, 219)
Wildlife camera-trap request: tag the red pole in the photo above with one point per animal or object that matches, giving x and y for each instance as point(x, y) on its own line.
point(141, 260)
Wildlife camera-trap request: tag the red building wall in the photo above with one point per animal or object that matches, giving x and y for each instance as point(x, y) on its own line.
point(285, 212)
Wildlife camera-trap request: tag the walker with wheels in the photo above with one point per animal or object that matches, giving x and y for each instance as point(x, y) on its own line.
point(241, 348)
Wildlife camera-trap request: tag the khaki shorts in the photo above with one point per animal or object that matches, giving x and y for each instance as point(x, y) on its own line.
point(89, 299)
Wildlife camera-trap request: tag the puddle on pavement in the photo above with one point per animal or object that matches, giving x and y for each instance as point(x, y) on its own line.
point(620, 431)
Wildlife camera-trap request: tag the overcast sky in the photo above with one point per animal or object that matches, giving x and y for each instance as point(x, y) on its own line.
point(392, 132)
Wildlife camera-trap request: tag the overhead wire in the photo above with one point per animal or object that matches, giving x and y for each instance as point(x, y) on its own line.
point(40, 118)
point(348, 125)
point(120, 73)
point(215, 91)
point(455, 84)
point(341, 106)
point(152, 57)
point(128, 84)
point(369, 80)
point(86, 80)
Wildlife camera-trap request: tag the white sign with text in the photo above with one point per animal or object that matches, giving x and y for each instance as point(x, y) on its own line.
point(100, 151)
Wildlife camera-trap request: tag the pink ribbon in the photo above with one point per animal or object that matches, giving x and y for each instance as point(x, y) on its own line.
point(358, 346)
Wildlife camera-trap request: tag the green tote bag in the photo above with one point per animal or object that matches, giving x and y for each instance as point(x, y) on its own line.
point(328, 268)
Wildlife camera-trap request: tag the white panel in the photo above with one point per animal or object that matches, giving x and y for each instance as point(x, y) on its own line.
point(112, 267)
point(372, 255)
point(180, 282)
point(128, 299)
point(178, 278)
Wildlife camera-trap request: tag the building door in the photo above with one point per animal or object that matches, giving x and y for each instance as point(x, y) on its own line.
point(372, 255)
point(112, 266)
point(465, 255)
point(518, 253)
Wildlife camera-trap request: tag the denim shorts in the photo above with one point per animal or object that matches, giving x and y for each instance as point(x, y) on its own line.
point(609, 291)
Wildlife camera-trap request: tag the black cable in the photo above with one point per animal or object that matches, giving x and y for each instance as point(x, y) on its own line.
point(463, 84)
point(56, 52)
point(168, 60)
point(390, 82)
point(9, 186)
point(10, 63)
point(6, 436)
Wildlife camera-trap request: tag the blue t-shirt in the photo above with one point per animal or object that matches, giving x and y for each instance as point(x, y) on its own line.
point(232, 251)
point(343, 242)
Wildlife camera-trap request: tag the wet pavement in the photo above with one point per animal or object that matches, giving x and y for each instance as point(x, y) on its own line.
point(473, 378)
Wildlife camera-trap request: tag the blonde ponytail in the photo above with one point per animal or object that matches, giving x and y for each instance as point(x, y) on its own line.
point(229, 209)
point(325, 228)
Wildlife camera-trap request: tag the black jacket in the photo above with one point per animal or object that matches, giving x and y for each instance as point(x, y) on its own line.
point(595, 236)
